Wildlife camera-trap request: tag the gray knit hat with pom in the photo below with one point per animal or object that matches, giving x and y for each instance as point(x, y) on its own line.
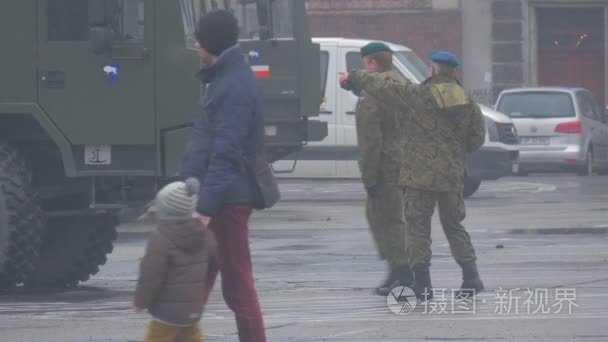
point(176, 201)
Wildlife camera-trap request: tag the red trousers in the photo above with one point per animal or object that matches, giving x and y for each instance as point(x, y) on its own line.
point(231, 230)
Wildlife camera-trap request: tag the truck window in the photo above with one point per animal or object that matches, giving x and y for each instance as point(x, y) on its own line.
point(206, 6)
point(189, 17)
point(282, 23)
point(245, 11)
point(68, 20)
point(354, 61)
point(129, 21)
point(324, 71)
point(247, 14)
point(414, 64)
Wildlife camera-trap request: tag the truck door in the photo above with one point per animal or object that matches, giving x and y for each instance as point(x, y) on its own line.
point(318, 159)
point(350, 59)
point(102, 102)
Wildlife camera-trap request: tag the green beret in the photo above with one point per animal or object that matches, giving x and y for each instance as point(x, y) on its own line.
point(374, 47)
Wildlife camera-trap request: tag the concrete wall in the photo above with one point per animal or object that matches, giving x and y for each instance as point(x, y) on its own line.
point(477, 49)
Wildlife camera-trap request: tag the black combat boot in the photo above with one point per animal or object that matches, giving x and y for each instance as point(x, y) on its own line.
point(399, 276)
point(471, 282)
point(423, 287)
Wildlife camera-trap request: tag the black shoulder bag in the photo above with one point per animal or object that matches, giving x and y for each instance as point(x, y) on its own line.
point(266, 186)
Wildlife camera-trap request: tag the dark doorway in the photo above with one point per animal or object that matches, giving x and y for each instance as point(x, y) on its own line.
point(571, 49)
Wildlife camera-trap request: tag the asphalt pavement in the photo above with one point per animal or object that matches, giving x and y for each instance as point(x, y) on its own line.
point(541, 243)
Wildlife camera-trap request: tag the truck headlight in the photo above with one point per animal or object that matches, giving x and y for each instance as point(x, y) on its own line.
point(492, 130)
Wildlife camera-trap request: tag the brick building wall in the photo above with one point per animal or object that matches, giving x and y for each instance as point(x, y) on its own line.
point(417, 24)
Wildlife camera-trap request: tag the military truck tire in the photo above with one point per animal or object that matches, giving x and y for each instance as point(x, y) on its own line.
point(74, 248)
point(21, 219)
point(470, 186)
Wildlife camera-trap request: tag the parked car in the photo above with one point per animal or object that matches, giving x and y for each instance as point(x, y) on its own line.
point(499, 155)
point(560, 129)
point(336, 156)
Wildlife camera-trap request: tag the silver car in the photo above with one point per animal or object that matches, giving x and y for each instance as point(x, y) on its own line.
point(559, 129)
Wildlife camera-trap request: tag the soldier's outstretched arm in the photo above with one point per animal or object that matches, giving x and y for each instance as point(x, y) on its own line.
point(386, 89)
point(477, 130)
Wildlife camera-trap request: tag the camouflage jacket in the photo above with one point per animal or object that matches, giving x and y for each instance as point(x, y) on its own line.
point(378, 135)
point(440, 123)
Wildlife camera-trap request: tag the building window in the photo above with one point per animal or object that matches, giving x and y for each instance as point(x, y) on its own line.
point(571, 28)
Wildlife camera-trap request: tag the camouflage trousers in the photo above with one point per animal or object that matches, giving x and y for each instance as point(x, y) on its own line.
point(418, 210)
point(385, 216)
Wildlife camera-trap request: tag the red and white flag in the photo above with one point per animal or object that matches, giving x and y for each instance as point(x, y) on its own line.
point(261, 71)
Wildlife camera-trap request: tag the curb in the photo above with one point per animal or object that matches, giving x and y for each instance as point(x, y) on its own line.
point(562, 231)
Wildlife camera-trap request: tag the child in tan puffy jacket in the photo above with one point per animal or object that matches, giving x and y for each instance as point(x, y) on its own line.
point(172, 278)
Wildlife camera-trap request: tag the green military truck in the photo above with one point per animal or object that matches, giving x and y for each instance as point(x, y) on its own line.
point(96, 103)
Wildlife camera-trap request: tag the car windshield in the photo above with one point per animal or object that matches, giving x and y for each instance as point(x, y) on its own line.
point(245, 11)
point(414, 64)
point(537, 105)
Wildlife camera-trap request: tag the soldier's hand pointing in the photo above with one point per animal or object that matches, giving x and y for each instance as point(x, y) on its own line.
point(343, 78)
point(344, 82)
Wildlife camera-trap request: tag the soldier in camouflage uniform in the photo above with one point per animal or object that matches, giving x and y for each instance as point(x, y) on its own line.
point(378, 144)
point(440, 125)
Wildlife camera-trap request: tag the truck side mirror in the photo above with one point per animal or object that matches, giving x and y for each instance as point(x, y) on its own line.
point(101, 15)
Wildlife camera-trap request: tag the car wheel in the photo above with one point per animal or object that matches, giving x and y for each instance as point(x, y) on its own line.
point(587, 168)
point(470, 186)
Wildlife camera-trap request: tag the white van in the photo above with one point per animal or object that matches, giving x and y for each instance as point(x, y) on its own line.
point(336, 156)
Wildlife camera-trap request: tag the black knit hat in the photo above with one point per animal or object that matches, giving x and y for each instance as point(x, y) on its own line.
point(217, 31)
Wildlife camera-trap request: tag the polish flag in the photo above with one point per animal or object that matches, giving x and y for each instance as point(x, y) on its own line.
point(261, 71)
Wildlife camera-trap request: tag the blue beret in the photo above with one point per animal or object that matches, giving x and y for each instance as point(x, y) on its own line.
point(374, 47)
point(444, 57)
